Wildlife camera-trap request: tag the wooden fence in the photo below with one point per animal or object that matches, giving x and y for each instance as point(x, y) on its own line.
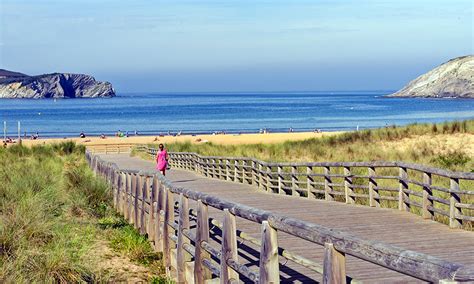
point(110, 148)
point(182, 229)
point(433, 193)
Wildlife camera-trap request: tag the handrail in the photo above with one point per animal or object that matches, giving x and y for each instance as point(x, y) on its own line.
point(157, 193)
point(433, 193)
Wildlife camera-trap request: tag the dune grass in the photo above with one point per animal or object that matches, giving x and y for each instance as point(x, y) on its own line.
point(367, 145)
point(53, 211)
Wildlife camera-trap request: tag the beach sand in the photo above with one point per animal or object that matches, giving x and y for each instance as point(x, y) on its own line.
point(228, 139)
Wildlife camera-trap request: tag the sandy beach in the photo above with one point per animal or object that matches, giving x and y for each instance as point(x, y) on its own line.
point(228, 139)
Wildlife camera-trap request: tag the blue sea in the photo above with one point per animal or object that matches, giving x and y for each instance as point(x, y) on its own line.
point(230, 112)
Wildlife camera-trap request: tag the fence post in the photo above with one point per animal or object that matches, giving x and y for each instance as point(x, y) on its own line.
point(126, 197)
point(201, 274)
point(294, 181)
point(236, 171)
point(229, 248)
point(454, 212)
point(254, 173)
point(260, 177)
point(327, 185)
point(309, 182)
point(374, 200)
point(169, 218)
point(159, 224)
point(269, 266)
point(427, 193)
point(269, 182)
point(350, 199)
point(144, 190)
point(133, 198)
point(244, 172)
point(402, 195)
point(153, 209)
point(334, 267)
point(227, 170)
point(183, 224)
point(280, 180)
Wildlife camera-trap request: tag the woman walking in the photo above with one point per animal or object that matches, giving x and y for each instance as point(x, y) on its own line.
point(162, 159)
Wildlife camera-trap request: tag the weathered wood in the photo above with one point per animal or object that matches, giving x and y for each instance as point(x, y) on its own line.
point(348, 186)
point(134, 201)
point(201, 274)
point(260, 177)
point(427, 193)
point(402, 195)
point(168, 218)
point(309, 182)
point(183, 224)
point(126, 203)
point(269, 266)
point(327, 187)
point(334, 265)
point(229, 248)
point(294, 181)
point(374, 200)
point(454, 222)
point(143, 192)
point(153, 209)
point(280, 180)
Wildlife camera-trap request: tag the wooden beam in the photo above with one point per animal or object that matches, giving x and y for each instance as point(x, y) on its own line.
point(201, 274)
point(269, 265)
point(229, 248)
point(334, 271)
point(183, 224)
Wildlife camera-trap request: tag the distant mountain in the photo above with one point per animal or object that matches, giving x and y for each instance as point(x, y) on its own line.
point(453, 79)
point(14, 85)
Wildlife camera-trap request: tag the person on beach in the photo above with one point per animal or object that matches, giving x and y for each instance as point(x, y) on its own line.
point(162, 159)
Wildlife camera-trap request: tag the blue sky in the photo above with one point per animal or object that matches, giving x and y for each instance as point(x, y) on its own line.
point(245, 45)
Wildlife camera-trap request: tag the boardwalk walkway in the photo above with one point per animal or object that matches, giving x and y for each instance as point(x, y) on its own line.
point(390, 226)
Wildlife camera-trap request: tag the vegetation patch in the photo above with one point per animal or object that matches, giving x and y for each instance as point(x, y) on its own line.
point(54, 213)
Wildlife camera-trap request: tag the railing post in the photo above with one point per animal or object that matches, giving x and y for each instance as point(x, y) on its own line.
point(244, 172)
point(236, 171)
point(350, 199)
point(260, 177)
point(138, 192)
point(254, 173)
point(169, 219)
point(454, 211)
point(294, 181)
point(153, 209)
point(159, 223)
point(309, 182)
point(122, 185)
point(269, 265)
point(227, 170)
point(183, 224)
point(402, 195)
point(201, 274)
point(144, 190)
point(334, 267)
point(374, 200)
point(126, 197)
point(269, 182)
point(427, 193)
point(229, 248)
point(280, 180)
point(133, 199)
point(327, 184)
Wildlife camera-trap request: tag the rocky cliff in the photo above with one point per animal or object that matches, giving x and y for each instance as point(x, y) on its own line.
point(453, 79)
point(57, 85)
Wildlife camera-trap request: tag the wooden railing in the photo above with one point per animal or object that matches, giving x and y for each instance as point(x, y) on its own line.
point(182, 232)
point(433, 193)
point(110, 148)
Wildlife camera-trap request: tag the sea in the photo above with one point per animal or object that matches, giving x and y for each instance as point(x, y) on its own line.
point(250, 112)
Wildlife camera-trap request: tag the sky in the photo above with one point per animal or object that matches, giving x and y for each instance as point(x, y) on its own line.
point(236, 45)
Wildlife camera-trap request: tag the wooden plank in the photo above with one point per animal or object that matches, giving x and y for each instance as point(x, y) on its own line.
point(201, 274)
point(183, 224)
point(334, 265)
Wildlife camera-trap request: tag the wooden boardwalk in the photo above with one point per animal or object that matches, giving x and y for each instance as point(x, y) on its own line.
point(387, 225)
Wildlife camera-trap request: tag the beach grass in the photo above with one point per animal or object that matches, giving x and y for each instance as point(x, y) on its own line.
point(54, 212)
point(444, 145)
